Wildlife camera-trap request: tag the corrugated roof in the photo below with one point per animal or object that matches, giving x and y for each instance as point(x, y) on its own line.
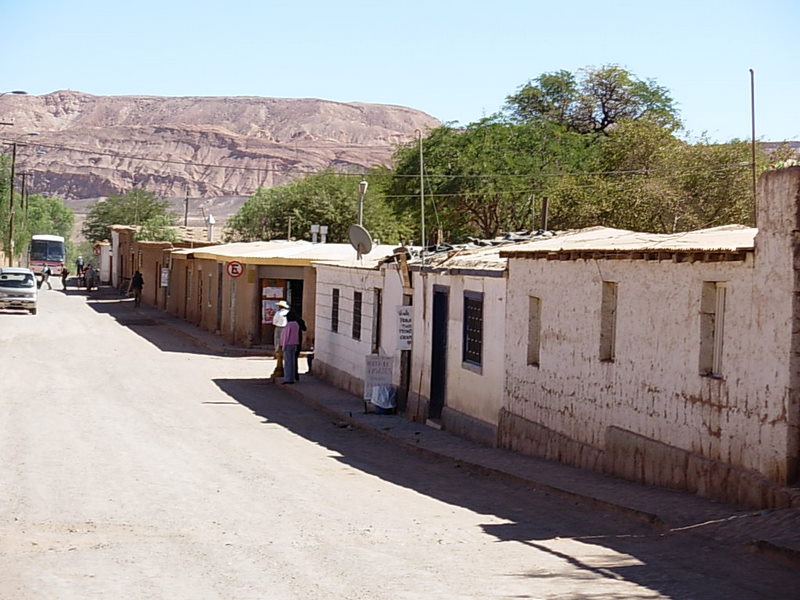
point(728, 238)
point(285, 253)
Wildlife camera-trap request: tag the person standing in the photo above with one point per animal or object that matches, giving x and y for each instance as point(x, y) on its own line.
point(137, 283)
point(46, 278)
point(290, 342)
point(279, 322)
point(64, 276)
point(89, 277)
point(79, 265)
point(293, 316)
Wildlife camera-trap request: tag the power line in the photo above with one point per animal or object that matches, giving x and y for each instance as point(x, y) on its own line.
point(287, 170)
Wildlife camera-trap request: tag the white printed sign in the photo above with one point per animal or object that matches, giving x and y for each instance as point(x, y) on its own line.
point(405, 327)
point(378, 372)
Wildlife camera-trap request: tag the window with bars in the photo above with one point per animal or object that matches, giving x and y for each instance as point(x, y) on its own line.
point(335, 310)
point(473, 328)
point(377, 321)
point(356, 315)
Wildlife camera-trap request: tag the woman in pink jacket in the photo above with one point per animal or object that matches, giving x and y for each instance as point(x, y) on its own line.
point(290, 342)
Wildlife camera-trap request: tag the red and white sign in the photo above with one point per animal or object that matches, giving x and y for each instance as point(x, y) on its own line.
point(235, 269)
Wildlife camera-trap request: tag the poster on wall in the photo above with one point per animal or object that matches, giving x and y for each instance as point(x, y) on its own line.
point(270, 295)
point(268, 309)
point(405, 327)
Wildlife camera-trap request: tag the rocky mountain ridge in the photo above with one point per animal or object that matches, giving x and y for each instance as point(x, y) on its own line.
point(78, 146)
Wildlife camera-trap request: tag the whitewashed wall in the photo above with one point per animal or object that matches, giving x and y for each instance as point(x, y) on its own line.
point(337, 356)
point(476, 394)
point(747, 419)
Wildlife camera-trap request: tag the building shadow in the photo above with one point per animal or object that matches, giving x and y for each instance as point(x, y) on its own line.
point(533, 517)
point(160, 329)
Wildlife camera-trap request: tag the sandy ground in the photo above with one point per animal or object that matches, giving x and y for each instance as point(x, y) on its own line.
point(137, 465)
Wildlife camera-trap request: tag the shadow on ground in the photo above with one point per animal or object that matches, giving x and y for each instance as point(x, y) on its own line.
point(143, 322)
point(674, 565)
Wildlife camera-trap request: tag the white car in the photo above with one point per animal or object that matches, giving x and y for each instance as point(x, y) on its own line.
point(18, 289)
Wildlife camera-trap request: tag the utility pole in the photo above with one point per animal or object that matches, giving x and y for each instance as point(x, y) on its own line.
point(753, 140)
point(10, 246)
point(186, 208)
point(421, 197)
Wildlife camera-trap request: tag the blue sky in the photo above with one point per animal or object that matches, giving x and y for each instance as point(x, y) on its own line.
point(454, 60)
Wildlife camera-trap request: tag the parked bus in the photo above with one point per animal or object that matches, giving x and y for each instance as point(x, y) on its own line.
point(47, 251)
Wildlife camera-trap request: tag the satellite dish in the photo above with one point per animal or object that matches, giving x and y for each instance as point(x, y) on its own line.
point(360, 239)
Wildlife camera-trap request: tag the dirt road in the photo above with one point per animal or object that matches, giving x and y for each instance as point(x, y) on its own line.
point(137, 466)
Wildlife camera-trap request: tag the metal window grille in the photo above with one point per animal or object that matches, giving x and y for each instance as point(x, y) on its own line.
point(473, 328)
point(377, 321)
point(356, 315)
point(335, 310)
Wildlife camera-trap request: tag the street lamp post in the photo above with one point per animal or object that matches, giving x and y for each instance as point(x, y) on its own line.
point(362, 190)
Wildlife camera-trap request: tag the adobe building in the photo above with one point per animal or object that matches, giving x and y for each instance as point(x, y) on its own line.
point(670, 360)
point(233, 289)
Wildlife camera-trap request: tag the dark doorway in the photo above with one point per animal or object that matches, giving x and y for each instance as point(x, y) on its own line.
point(294, 295)
point(441, 298)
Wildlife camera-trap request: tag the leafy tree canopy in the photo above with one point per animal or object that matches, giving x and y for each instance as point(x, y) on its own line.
point(33, 213)
point(485, 179)
point(593, 100)
point(136, 208)
point(325, 198)
point(643, 178)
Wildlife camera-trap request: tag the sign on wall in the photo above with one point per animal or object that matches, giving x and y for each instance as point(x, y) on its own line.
point(378, 372)
point(164, 277)
point(234, 268)
point(405, 327)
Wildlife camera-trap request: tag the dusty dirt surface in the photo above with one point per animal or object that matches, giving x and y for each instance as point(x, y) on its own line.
point(136, 465)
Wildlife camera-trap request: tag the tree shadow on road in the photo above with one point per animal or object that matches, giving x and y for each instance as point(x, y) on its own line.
point(536, 518)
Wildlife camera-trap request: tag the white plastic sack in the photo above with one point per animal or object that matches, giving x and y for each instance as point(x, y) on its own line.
point(384, 396)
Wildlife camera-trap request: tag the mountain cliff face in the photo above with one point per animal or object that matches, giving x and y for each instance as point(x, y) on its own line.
point(79, 146)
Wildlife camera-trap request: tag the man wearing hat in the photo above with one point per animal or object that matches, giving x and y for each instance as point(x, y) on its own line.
point(279, 321)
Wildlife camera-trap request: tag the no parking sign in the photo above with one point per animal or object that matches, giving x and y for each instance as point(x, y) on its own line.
point(234, 268)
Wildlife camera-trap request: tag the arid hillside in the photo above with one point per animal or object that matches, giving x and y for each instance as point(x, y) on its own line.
point(79, 146)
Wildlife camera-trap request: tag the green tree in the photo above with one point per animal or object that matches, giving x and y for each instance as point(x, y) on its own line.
point(644, 178)
point(484, 179)
point(325, 198)
point(136, 208)
point(592, 101)
point(32, 213)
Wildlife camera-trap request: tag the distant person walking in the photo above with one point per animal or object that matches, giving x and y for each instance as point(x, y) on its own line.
point(79, 265)
point(46, 278)
point(64, 276)
point(137, 283)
